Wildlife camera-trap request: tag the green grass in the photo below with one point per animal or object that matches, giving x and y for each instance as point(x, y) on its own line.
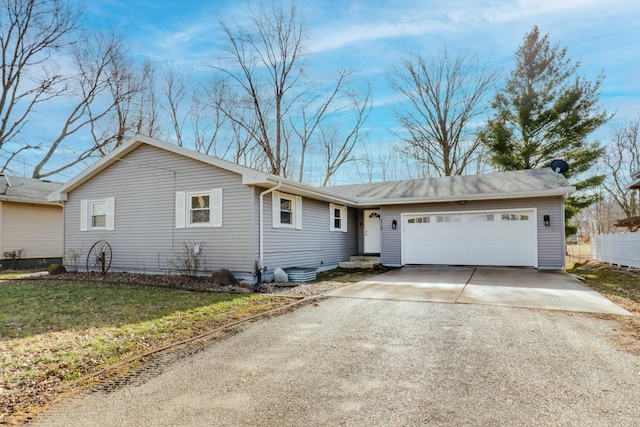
point(56, 331)
point(611, 282)
point(38, 307)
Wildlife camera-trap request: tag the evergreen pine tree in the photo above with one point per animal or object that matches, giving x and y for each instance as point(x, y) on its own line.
point(546, 111)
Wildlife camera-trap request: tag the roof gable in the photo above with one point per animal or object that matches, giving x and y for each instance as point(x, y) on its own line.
point(249, 176)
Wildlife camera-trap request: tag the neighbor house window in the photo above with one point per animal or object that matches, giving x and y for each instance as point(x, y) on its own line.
point(97, 214)
point(199, 208)
point(287, 210)
point(337, 218)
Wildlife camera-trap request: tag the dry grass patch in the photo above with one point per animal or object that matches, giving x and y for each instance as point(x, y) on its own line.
point(622, 286)
point(52, 332)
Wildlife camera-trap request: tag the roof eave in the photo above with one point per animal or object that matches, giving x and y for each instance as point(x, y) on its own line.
point(301, 189)
point(93, 170)
point(26, 200)
point(563, 191)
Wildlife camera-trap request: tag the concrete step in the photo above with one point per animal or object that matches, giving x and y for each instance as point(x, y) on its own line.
point(365, 258)
point(358, 264)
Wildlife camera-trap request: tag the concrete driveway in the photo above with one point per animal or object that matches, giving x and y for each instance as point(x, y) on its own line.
point(369, 362)
point(512, 287)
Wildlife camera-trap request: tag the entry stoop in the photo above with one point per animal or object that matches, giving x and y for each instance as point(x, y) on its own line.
point(360, 261)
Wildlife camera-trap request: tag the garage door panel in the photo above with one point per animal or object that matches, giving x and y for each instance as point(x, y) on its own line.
point(484, 238)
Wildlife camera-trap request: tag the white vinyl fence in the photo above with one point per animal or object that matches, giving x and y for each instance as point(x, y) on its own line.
point(619, 248)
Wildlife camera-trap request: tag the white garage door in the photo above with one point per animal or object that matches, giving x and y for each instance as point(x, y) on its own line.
point(506, 238)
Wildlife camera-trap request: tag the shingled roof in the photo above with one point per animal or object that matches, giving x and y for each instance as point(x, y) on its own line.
point(496, 185)
point(29, 190)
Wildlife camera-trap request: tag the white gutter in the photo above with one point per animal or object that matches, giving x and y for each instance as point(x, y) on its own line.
point(270, 190)
point(363, 201)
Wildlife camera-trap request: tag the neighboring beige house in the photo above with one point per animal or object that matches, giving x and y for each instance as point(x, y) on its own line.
point(31, 228)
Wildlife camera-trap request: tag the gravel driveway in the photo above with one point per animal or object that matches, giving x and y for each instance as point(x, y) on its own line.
point(386, 363)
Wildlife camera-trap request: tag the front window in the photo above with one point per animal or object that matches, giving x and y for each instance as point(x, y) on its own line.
point(99, 214)
point(337, 218)
point(199, 208)
point(286, 211)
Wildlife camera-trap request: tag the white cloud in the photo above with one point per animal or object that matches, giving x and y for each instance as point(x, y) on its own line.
point(411, 19)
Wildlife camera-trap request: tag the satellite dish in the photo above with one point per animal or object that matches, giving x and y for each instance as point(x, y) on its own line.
point(559, 166)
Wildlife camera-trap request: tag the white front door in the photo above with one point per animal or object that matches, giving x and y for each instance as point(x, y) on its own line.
point(372, 234)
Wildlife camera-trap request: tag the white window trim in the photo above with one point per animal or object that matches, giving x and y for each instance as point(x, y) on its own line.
point(85, 214)
point(296, 210)
point(343, 218)
point(183, 208)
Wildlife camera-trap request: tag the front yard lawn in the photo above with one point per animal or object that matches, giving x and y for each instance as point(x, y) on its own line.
point(610, 280)
point(52, 332)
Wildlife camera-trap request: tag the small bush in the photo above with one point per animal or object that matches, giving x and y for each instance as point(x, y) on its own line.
point(189, 261)
point(56, 269)
point(15, 257)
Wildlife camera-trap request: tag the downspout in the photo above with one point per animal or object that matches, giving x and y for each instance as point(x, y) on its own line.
point(564, 231)
point(261, 237)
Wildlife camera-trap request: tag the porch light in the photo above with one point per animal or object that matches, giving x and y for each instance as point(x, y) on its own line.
point(547, 220)
point(394, 224)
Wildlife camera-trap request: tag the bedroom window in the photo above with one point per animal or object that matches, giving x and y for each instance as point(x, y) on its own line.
point(286, 210)
point(199, 211)
point(97, 214)
point(199, 208)
point(337, 218)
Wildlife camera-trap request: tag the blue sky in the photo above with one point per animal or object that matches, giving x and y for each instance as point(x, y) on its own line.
point(369, 36)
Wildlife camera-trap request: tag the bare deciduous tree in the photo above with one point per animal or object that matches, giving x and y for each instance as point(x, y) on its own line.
point(208, 119)
point(32, 32)
point(174, 91)
point(440, 98)
point(49, 61)
point(97, 64)
point(599, 217)
point(135, 108)
point(338, 146)
point(263, 65)
point(270, 100)
point(621, 159)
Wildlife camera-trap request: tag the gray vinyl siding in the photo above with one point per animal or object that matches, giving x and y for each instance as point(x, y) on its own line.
point(312, 246)
point(145, 239)
point(550, 239)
